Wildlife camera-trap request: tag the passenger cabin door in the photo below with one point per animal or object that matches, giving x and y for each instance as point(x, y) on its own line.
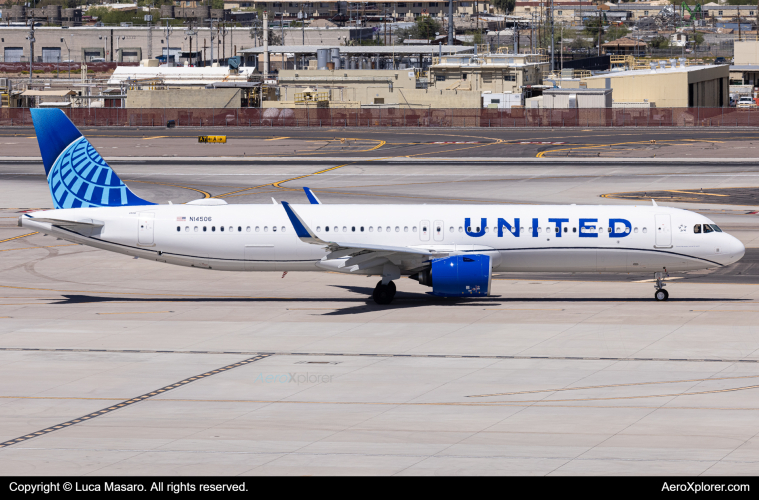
point(663, 231)
point(424, 230)
point(439, 231)
point(145, 223)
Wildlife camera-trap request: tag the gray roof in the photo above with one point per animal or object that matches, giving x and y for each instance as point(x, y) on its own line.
point(730, 7)
point(745, 67)
point(365, 49)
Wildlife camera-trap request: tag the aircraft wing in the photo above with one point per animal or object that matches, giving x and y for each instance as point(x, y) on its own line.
point(358, 252)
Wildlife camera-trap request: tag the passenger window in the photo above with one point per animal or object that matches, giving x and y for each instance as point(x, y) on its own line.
point(334, 229)
point(248, 229)
point(266, 229)
point(574, 229)
point(345, 229)
point(556, 230)
point(379, 229)
point(530, 229)
point(362, 229)
point(487, 229)
point(187, 229)
point(258, 229)
point(273, 229)
point(179, 228)
point(414, 229)
point(326, 229)
point(371, 229)
point(213, 229)
point(708, 228)
point(405, 229)
point(353, 229)
point(196, 229)
point(566, 229)
point(231, 229)
point(284, 228)
point(608, 229)
point(450, 229)
point(221, 228)
point(521, 229)
point(388, 229)
point(239, 229)
point(204, 229)
point(461, 229)
point(548, 230)
point(397, 229)
point(635, 230)
point(469, 229)
point(540, 229)
point(645, 230)
point(600, 230)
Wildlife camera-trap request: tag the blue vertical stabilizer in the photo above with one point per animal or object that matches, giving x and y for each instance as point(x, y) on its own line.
point(76, 173)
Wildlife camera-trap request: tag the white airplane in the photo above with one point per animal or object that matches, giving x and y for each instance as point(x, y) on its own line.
point(452, 248)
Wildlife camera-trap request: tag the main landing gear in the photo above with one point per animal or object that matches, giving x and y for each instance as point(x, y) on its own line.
point(661, 294)
point(384, 294)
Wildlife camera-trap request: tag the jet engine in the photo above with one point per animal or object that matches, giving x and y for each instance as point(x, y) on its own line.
point(458, 276)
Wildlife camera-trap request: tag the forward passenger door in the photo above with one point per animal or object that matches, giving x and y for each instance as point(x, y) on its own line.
point(439, 231)
point(663, 231)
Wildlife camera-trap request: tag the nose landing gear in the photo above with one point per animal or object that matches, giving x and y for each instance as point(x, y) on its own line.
point(661, 294)
point(384, 294)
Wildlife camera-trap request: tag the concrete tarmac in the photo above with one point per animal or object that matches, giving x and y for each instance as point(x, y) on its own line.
point(111, 365)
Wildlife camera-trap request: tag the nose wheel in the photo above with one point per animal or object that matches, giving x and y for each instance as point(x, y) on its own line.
point(384, 294)
point(661, 294)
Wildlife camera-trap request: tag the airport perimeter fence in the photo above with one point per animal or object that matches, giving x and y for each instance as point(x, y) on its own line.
point(399, 117)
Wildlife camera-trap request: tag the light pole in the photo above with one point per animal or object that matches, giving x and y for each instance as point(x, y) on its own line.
point(63, 41)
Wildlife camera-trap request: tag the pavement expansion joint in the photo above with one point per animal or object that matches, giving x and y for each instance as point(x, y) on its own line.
point(115, 407)
point(385, 355)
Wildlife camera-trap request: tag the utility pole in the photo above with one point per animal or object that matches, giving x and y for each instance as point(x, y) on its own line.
point(450, 22)
point(212, 38)
point(552, 39)
point(63, 41)
point(189, 32)
point(31, 49)
point(168, 31)
point(149, 19)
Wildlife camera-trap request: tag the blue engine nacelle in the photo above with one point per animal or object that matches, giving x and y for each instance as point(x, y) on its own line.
point(458, 276)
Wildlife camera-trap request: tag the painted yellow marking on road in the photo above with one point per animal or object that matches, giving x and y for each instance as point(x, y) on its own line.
point(653, 280)
point(154, 137)
point(673, 395)
point(276, 138)
point(32, 248)
point(205, 194)
point(612, 385)
point(139, 312)
point(17, 237)
point(690, 192)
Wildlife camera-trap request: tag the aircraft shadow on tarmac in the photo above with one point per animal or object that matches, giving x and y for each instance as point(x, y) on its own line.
point(364, 302)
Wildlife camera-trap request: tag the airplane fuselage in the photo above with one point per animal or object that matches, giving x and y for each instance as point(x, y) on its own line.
point(534, 238)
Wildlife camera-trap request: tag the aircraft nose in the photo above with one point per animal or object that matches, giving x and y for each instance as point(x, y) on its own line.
point(734, 250)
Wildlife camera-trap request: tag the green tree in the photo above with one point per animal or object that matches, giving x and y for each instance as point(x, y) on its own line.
point(614, 32)
point(697, 38)
point(504, 6)
point(581, 42)
point(426, 27)
point(660, 42)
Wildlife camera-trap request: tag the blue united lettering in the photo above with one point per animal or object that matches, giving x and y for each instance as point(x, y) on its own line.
point(584, 227)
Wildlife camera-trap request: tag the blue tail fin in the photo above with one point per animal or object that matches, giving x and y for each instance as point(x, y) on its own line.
point(77, 175)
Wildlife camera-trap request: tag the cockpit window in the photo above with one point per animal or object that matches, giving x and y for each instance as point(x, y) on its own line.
point(708, 228)
point(716, 228)
point(697, 228)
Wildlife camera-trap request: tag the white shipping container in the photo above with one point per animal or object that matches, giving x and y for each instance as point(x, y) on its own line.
point(502, 101)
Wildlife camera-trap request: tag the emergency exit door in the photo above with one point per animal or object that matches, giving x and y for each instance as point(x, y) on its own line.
point(424, 230)
point(438, 230)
